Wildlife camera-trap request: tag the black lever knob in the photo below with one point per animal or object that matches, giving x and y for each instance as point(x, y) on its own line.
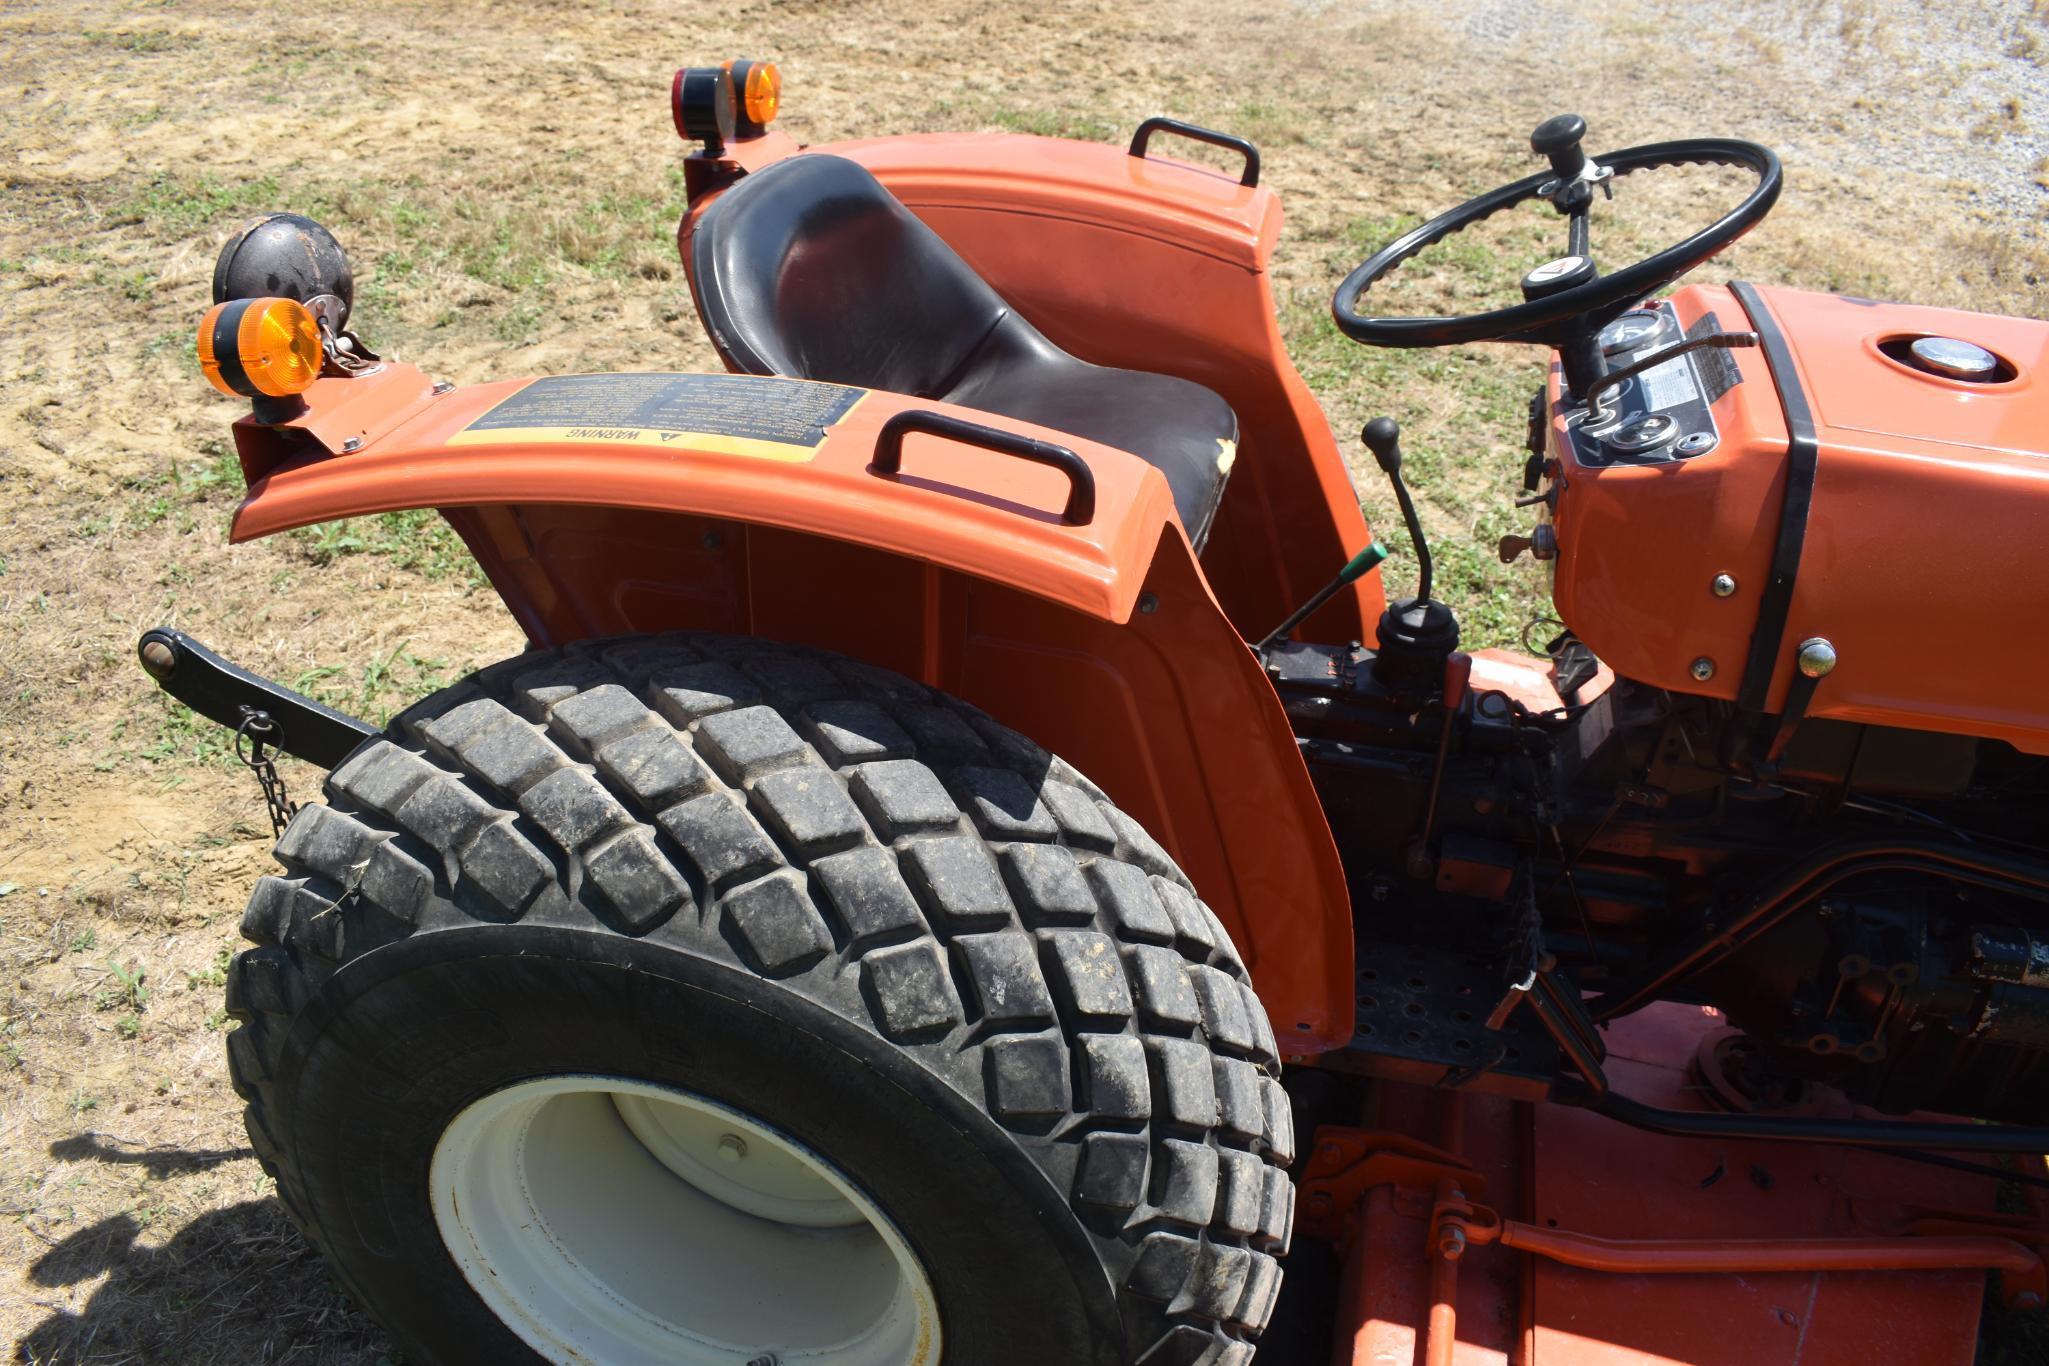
point(1558, 138)
point(1383, 436)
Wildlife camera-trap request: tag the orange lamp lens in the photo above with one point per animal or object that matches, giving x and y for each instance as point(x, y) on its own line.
point(266, 348)
point(764, 93)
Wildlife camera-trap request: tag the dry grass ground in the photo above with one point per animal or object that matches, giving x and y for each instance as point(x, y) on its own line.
point(507, 181)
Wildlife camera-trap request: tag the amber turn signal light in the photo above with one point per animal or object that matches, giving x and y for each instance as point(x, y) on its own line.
point(260, 348)
point(757, 95)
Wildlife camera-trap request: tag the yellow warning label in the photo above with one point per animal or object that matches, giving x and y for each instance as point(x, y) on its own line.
point(763, 417)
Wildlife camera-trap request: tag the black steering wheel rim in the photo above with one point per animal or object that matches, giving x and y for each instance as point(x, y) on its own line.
point(1556, 319)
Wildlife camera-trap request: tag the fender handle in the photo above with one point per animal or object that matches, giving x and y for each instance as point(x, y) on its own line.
point(1081, 494)
point(1197, 133)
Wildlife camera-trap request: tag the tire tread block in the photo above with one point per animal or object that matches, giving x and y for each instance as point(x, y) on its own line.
point(849, 731)
point(902, 797)
point(747, 742)
point(910, 991)
point(956, 882)
point(1048, 885)
point(654, 766)
point(868, 894)
point(1003, 805)
point(1026, 1076)
point(1159, 980)
point(720, 838)
point(1004, 968)
point(635, 876)
point(1086, 972)
point(781, 929)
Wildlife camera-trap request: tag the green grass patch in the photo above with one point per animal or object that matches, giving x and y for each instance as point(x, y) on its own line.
point(1051, 123)
point(177, 206)
point(378, 689)
point(140, 40)
point(414, 539)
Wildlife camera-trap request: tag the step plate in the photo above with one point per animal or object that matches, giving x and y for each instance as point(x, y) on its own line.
point(1422, 1019)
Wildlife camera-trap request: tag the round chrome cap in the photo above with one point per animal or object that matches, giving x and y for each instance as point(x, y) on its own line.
point(1953, 358)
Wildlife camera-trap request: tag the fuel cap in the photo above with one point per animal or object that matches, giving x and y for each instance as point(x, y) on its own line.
point(1953, 359)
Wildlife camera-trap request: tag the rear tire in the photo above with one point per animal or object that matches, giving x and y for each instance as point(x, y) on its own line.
point(849, 919)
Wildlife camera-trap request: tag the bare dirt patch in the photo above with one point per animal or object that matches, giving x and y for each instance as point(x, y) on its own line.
point(507, 181)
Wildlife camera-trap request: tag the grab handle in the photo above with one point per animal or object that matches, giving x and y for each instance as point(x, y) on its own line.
point(1196, 133)
point(1081, 493)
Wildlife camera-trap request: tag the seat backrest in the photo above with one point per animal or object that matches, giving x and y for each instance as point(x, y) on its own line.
point(810, 268)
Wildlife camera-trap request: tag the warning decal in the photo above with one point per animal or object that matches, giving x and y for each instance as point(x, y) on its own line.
point(771, 419)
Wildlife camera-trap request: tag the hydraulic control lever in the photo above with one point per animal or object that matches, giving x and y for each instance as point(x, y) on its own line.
point(1596, 414)
point(1354, 570)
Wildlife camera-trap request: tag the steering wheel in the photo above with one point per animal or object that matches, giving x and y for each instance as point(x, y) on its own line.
point(1565, 300)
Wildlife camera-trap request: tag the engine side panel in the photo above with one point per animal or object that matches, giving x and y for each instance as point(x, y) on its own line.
point(1922, 546)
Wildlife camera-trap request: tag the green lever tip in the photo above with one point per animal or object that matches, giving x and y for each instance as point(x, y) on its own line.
point(1361, 562)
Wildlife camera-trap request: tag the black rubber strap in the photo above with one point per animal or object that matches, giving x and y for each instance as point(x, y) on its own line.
point(1802, 455)
point(1799, 696)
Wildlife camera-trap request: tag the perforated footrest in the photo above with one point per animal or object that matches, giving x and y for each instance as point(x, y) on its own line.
point(1422, 1018)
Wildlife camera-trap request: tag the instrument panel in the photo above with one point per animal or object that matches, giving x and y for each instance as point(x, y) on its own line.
point(1664, 414)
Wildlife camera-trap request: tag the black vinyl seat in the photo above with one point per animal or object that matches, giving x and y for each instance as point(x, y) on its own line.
point(811, 268)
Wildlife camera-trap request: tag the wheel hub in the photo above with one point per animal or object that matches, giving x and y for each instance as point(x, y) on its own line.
point(607, 1220)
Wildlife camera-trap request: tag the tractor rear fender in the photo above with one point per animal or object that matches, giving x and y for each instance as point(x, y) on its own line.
point(1098, 637)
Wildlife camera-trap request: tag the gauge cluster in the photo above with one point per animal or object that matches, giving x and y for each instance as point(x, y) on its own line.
point(1663, 414)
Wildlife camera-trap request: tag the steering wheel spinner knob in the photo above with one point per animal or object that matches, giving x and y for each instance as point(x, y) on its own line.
point(1558, 138)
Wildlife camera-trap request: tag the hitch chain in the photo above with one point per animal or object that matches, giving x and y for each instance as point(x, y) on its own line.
point(260, 730)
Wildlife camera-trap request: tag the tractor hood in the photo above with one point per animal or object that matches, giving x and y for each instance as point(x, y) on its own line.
point(1925, 381)
point(1841, 489)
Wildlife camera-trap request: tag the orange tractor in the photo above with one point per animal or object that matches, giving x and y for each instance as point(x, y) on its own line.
point(739, 978)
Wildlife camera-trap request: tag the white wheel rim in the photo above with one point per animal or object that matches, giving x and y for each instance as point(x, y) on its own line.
point(613, 1222)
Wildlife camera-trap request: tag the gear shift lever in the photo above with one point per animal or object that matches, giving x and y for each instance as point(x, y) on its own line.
point(1417, 635)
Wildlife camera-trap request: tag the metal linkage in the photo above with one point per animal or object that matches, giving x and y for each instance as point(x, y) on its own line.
point(1566, 1021)
point(227, 695)
point(1803, 887)
point(1960, 1243)
point(1346, 1163)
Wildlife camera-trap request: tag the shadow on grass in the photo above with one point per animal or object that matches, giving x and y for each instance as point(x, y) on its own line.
point(234, 1286)
point(157, 1162)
